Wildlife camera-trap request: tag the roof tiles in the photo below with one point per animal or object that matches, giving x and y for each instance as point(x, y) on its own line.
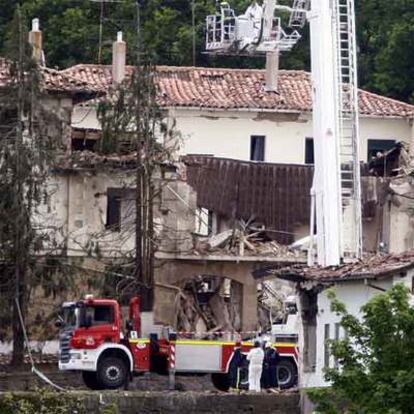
point(379, 265)
point(52, 80)
point(235, 89)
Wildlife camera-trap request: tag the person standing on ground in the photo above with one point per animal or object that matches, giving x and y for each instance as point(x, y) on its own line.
point(271, 359)
point(255, 358)
point(235, 367)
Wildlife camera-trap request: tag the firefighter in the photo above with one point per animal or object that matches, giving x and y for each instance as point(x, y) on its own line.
point(235, 367)
point(255, 358)
point(271, 359)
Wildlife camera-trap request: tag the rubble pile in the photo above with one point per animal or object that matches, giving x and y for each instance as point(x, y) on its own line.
point(241, 243)
point(205, 311)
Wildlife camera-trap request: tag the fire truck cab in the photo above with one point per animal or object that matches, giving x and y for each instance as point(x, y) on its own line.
point(93, 341)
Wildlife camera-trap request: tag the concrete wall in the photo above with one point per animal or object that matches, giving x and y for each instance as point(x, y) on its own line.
point(227, 133)
point(77, 209)
point(176, 403)
point(354, 294)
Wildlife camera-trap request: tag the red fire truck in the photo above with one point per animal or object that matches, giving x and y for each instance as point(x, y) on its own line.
point(93, 341)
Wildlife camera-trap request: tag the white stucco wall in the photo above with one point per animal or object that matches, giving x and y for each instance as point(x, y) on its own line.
point(227, 133)
point(354, 294)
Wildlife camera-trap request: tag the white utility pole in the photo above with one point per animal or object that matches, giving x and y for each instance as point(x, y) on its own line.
point(326, 187)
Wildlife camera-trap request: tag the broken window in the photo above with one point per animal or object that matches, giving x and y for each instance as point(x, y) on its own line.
point(83, 144)
point(120, 209)
point(203, 225)
point(257, 148)
point(309, 151)
point(379, 146)
point(84, 140)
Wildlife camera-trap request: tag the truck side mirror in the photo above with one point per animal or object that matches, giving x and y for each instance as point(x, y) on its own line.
point(59, 323)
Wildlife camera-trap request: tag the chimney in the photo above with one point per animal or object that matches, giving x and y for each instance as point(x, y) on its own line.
point(272, 69)
point(118, 59)
point(35, 39)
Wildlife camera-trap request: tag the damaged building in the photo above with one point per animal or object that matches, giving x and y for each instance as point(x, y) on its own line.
point(217, 220)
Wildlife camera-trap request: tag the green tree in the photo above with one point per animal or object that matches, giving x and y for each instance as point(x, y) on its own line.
point(72, 35)
point(26, 151)
point(375, 373)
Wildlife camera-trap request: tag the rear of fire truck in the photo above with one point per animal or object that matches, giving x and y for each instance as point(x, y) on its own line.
point(92, 341)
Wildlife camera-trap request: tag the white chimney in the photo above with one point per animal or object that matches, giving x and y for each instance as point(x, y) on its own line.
point(35, 39)
point(118, 59)
point(272, 71)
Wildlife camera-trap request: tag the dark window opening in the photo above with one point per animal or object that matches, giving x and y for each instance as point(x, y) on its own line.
point(379, 146)
point(83, 144)
point(309, 151)
point(257, 148)
point(113, 209)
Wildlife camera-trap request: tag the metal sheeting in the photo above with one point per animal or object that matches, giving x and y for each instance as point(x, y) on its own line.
point(277, 195)
point(198, 358)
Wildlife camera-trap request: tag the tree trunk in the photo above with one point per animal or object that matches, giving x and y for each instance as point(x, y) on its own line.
point(18, 335)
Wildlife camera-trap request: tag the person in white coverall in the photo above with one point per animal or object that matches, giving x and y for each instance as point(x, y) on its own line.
point(255, 358)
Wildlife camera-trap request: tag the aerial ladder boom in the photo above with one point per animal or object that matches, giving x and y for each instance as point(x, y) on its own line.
point(336, 193)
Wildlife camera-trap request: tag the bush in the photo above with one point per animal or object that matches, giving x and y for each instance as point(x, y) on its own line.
point(41, 402)
point(375, 371)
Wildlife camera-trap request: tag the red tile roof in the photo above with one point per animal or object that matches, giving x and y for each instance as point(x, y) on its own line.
point(380, 265)
point(51, 80)
point(236, 89)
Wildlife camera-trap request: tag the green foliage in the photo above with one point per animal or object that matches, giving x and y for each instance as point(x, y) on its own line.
point(41, 402)
point(134, 124)
point(28, 146)
point(386, 40)
point(109, 409)
point(385, 36)
point(376, 359)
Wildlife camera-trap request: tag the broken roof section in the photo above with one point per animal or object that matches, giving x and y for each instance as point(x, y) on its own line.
point(371, 267)
point(275, 195)
point(237, 89)
point(52, 80)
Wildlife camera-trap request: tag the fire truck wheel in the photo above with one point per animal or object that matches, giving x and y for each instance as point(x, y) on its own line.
point(221, 381)
point(287, 374)
point(90, 380)
point(112, 373)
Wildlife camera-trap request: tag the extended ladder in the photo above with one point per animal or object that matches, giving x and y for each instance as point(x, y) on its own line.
point(348, 125)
